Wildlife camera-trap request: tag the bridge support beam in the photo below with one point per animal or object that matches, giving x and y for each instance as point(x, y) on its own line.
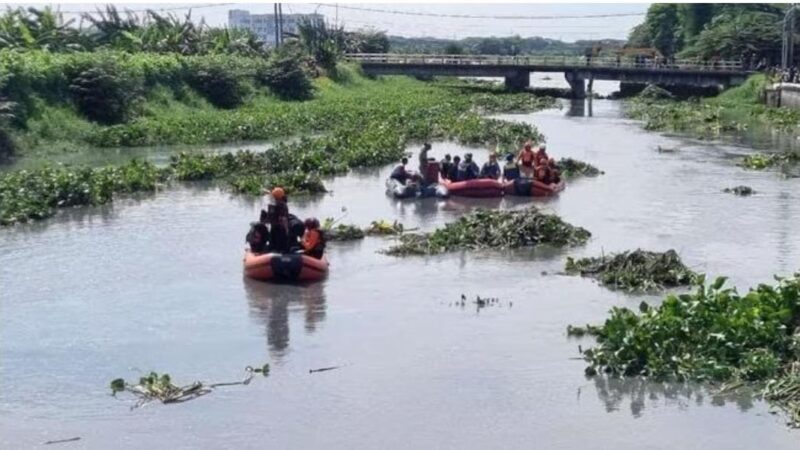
point(577, 84)
point(519, 80)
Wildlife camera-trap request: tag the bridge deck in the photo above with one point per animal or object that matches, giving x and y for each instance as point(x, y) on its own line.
point(548, 63)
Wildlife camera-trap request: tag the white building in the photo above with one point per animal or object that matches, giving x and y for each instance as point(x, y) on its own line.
point(263, 25)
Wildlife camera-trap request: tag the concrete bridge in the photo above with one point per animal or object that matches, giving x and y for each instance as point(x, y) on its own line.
point(577, 69)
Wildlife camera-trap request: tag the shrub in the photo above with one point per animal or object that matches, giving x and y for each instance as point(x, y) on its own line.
point(218, 83)
point(103, 93)
point(285, 77)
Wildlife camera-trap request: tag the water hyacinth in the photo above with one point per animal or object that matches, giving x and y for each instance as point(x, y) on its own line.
point(760, 161)
point(33, 195)
point(571, 168)
point(714, 334)
point(637, 270)
point(493, 229)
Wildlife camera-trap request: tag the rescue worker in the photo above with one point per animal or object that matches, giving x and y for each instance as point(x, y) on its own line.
point(423, 158)
point(257, 237)
point(542, 174)
point(541, 155)
point(445, 165)
point(453, 174)
point(525, 160)
point(313, 239)
point(467, 169)
point(400, 173)
point(491, 169)
point(511, 169)
point(555, 174)
point(278, 218)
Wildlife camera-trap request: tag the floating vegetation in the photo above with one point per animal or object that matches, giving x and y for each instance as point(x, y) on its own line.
point(635, 271)
point(493, 229)
point(384, 228)
point(740, 190)
point(341, 232)
point(576, 331)
point(715, 335)
point(653, 92)
point(570, 168)
point(760, 161)
point(36, 194)
point(481, 302)
point(153, 386)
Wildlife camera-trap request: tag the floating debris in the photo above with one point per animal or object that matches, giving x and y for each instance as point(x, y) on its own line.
point(714, 335)
point(160, 387)
point(571, 168)
point(62, 441)
point(480, 302)
point(493, 229)
point(740, 190)
point(384, 228)
point(653, 92)
point(575, 331)
point(760, 161)
point(323, 369)
point(637, 270)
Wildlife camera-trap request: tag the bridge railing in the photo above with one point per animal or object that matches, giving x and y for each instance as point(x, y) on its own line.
point(567, 61)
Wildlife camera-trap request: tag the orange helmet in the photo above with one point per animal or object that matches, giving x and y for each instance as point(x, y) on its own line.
point(278, 193)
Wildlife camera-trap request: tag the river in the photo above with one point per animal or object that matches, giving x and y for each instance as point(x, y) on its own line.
point(155, 283)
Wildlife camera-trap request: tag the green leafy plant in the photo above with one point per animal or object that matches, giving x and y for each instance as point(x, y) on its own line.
point(637, 270)
point(493, 229)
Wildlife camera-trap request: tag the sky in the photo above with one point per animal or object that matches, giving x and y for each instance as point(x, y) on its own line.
point(442, 27)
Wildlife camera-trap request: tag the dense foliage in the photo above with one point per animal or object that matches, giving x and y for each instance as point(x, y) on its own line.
point(637, 270)
point(513, 45)
point(493, 229)
point(45, 29)
point(748, 32)
point(714, 334)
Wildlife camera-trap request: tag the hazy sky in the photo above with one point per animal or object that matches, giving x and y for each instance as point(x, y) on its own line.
point(417, 26)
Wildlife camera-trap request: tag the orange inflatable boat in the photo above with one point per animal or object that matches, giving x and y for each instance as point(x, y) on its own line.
point(479, 187)
point(284, 267)
point(528, 187)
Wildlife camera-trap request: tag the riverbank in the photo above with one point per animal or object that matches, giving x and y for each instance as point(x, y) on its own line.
point(734, 110)
point(168, 106)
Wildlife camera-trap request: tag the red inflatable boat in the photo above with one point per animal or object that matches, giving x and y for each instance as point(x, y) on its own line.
point(480, 187)
point(528, 187)
point(284, 267)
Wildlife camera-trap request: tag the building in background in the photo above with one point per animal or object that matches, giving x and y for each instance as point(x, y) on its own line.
point(263, 25)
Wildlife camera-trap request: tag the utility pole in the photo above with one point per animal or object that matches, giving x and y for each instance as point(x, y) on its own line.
point(280, 23)
point(275, 7)
point(787, 53)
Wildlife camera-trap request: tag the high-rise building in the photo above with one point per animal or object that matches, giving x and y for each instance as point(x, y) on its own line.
point(263, 25)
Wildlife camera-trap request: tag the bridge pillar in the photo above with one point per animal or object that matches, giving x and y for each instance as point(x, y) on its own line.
point(577, 84)
point(519, 80)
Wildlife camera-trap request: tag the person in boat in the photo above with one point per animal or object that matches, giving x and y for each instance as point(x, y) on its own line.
point(423, 158)
point(278, 219)
point(511, 169)
point(431, 174)
point(468, 169)
point(555, 174)
point(257, 237)
point(525, 159)
point(541, 155)
point(453, 173)
point(445, 165)
point(313, 239)
point(491, 169)
point(400, 173)
point(543, 174)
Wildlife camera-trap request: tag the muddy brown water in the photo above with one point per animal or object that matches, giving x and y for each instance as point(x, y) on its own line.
point(155, 283)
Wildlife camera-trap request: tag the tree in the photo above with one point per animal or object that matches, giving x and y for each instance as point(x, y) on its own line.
point(453, 49)
point(663, 28)
point(693, 18)
point(739, 34)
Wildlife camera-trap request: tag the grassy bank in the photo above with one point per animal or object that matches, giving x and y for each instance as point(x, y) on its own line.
point(733, 110)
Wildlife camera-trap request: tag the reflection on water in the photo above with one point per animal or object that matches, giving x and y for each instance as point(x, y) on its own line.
point(271, 303)
point(615, 392)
